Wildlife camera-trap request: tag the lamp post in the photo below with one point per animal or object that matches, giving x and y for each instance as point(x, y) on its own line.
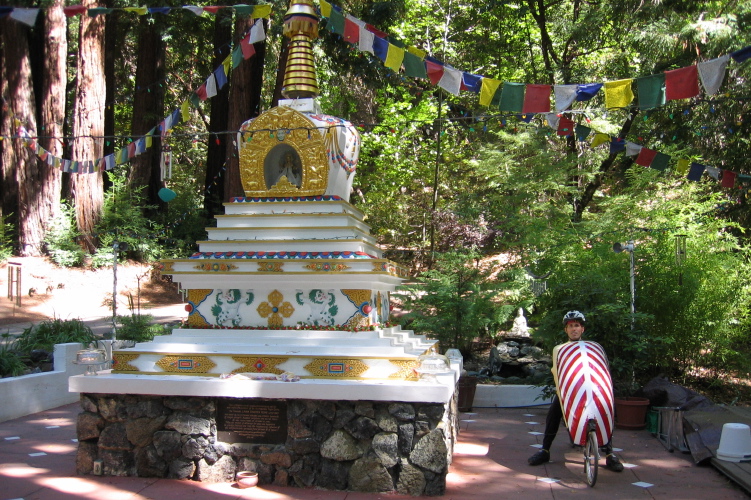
point(117, 247)
point(629, 247)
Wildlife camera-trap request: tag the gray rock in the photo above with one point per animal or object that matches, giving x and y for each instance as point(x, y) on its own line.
point(88, 426)
point(343, 416)
point(281, 478)
point(148, 407)
point(85, 456)
point(386, 449)
point(297, 429)
point(168, 444)
point(247, 450)
point(386, 421)
point(188, 424)
point(365, 408)
point(513, 351)
point(140, 431)
point(278, 458)
point(181, 469)
point(194, 448)
point(411, 480)
point(327, 409)
point(421, 428)
point(186, 404)
point(406, 435)
point(340, 446)
point(303, 471)
point(303, 446)
point(223, 471)
point(88, 404)
point(431, 452)
point(333, 475)
point(368, 474)
point(402, 411)
point(117, 462)
point(362, 428)
point(113, 437)
point(149, 463)
point(112, 409)
point(431, 412)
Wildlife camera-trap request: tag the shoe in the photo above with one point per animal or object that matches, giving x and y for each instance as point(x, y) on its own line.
point(613, 463)
point(540, 457)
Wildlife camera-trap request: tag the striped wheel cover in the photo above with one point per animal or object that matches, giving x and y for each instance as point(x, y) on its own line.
point(585, 389)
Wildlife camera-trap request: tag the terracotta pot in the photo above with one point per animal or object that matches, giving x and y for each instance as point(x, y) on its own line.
point(246, 479)
point(631, 413)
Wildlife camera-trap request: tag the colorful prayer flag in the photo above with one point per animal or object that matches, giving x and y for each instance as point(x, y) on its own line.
point(512, 97)
point(537, 99)
point(618, 94)
point(681, 83)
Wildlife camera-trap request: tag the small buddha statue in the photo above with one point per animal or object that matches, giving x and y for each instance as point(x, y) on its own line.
point(520, 328)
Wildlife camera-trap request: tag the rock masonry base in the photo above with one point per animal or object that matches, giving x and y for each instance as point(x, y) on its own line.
point(339, 445)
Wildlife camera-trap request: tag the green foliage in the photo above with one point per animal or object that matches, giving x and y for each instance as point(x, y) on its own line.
point(49, 332)
point(11, 364)
point(139, 328)
point(6, 239)
point(124, 220)
point(61, 237)
point(453, 302)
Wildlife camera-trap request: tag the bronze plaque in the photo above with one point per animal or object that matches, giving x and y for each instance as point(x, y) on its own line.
point(251, 421)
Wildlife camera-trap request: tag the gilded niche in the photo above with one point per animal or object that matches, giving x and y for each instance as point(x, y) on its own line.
point(283, 154)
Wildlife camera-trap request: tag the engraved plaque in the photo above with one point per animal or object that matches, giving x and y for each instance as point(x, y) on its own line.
point(251, 421)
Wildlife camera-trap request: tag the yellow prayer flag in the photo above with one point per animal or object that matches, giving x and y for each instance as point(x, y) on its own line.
point(487, 91)
point(325, 8)
point(185, 111)
point(227, 63)
point(261, 11)
point(148, 140)
point(394, 57)
point(418, 52)
point(682, 167)
point(618, 94)
point(118, 157)
point(599, 139)
point(141, 11)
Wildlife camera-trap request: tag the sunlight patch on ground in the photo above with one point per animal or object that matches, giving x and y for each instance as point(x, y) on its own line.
point(21, 470)
point(477, 449)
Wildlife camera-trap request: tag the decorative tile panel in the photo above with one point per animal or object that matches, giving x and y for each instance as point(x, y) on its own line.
point(405, 369)
point(186, 364)
point(121, 362)
point(337, 368)
point(215, 266)
point(327, 267)
point(270, 267)
point(258, 364)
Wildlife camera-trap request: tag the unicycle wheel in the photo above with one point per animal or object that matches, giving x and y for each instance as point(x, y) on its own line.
point(591, 458)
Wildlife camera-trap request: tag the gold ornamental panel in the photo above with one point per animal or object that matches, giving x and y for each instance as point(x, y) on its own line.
point(121, 362)
point(336, 368)
point(185, 364)
point(405, 369)
point(270, 267)
point(258, 364)
point(283, 154)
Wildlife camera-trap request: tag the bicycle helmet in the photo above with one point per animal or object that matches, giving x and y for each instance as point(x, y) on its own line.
point(573, 316)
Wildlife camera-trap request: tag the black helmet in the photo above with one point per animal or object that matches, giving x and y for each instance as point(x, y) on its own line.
point(573, 316)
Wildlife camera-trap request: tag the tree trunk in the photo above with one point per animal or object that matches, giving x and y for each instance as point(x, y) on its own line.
point(217, 143)
point(8, 180)
point(245, 95)
point(22, 109)
point(52, 101)
point(88, 126)
point(148, 109)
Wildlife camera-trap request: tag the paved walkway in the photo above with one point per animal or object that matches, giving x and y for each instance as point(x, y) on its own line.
point(38, 453)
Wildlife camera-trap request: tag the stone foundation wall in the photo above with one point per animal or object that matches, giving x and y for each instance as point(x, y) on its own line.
point(341, 445)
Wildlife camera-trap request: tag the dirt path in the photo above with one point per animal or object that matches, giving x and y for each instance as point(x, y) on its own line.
point(49, 291)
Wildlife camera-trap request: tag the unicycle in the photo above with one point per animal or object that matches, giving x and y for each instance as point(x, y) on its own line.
point(591, 453)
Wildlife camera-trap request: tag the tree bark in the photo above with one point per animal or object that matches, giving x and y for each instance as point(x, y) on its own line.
point(148, 109)
point(245, 95)
point(218, 116)
point(88, 126)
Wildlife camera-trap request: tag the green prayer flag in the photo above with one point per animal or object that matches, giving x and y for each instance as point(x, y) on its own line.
point(512, 97)
point(581, 132)
point(394, 41)
point(660, 162)
point(651, 91)
point(195, 100)
point(93, 12)
point(336, 21)
point(414, 66)
point(237, 56)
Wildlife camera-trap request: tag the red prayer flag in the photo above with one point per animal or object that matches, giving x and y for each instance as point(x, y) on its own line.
point(201, 92)
point(376, 31)
point(537, 99)
point(435, 71)
point(682, 83)
point(247, 47)
point(728, 179)
point(566, 126)
point(646, 156)
point(351, 31)
point(213, 8)
point(74, 10)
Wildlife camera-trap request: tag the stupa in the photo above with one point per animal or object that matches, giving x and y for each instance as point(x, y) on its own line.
point(287, 364)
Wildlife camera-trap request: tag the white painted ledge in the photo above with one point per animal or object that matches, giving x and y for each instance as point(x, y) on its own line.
point(508, 396)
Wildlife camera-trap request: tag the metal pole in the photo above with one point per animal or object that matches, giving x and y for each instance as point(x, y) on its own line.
point(633, 284)
point(115, 247)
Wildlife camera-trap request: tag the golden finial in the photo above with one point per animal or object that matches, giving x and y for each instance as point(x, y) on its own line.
point(301, 26)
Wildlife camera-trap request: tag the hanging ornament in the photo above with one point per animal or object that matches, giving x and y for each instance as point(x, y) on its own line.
point(166, 195)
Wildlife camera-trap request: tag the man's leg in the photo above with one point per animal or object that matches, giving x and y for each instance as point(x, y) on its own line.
point(612, 461)
point(552, 423)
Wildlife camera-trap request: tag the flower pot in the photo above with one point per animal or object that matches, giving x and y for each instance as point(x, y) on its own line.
point(631, 413)
point(246, 479)
point(466, 387)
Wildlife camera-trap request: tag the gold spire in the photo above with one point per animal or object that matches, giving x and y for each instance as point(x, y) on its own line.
point(301, 26)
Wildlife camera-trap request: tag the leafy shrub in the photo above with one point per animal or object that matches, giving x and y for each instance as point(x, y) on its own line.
point(138, 328)
point(46, 334)
point(6, 239)
point(11, 364)
point(60, 238)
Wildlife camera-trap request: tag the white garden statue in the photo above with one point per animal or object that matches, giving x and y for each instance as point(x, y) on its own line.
point(520, 328)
